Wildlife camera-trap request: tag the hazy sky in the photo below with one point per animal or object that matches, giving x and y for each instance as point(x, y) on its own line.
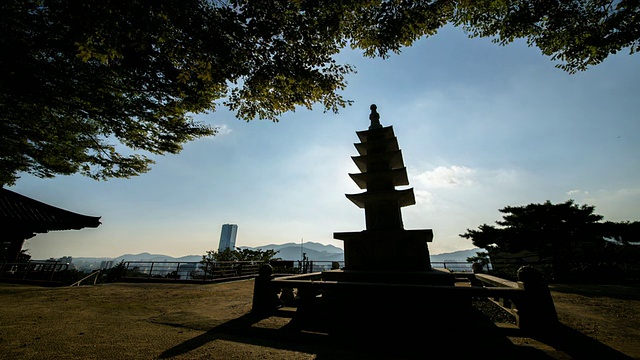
point(480, 127)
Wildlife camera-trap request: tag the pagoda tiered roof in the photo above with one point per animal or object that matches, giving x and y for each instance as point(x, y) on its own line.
point(381, 170)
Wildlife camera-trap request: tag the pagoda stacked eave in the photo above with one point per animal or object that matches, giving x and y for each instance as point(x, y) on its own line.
point(397, 177)
point(392, 158)
point(400, 198)
point(387, 144)
point(382, 133)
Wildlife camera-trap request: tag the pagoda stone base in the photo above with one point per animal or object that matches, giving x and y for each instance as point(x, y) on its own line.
point(391, 250)
point(390, 293)
point(361, 301)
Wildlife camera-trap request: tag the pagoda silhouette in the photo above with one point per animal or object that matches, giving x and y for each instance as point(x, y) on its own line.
point(385, 251)
point(388, 292)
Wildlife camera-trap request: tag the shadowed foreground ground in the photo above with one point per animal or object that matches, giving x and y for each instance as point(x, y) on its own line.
point(184, 321)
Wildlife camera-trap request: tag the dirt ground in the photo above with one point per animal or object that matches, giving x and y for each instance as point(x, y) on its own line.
point(608, 314)
point(187, 321)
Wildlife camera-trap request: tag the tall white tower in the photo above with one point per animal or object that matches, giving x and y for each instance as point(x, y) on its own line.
point(228, 237)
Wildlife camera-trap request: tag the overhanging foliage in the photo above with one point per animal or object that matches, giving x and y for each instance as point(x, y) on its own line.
point(98, 87)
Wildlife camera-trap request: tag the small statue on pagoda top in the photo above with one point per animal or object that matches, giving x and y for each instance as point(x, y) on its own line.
point(375, 118)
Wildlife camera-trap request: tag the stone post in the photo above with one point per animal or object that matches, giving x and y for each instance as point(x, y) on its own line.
point(536, 311)
point(265, 296)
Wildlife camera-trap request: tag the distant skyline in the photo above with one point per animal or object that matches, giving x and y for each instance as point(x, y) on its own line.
point(480, 127)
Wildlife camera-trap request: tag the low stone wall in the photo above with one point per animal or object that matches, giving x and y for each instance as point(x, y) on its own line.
point(528, 299)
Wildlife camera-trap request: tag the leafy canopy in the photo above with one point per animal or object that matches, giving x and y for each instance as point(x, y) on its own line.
point(564, 234)
point(259, 255)
point(534, 226)
point(97, 87)
point(575, 33)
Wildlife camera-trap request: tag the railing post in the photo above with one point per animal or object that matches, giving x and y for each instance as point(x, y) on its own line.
point(26, 270)
point(53, 270)
point(150, 270)
point(239, 270)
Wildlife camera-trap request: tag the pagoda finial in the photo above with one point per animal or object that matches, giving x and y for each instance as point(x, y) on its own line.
point(374, 117)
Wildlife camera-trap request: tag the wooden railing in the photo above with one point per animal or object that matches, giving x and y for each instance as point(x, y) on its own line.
point(172, 270)
point(188, 271)
point(95, 275)
point(197, 271)
point(51, 271)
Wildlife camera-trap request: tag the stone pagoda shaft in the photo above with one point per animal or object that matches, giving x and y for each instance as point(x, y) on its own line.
point(385, 239)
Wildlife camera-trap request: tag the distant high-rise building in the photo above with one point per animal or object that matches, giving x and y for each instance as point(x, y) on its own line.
point(228, 237)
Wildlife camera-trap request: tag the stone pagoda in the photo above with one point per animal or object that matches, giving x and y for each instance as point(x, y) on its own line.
point(384, 252)
point(387, 291)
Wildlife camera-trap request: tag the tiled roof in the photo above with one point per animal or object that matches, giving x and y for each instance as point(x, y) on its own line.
point(20, 212)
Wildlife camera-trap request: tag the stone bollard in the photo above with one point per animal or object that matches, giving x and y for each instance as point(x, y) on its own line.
point(536, 312)
point(265, 297)
point(477, 269)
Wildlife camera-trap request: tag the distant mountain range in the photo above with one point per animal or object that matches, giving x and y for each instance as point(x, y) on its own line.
point(289, 251)
point(456, 256)
point(314, 251)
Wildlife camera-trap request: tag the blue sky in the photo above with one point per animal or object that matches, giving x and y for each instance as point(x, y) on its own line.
point(480, 127)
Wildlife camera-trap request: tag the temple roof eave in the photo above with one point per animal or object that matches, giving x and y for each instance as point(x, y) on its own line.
point(18, 212)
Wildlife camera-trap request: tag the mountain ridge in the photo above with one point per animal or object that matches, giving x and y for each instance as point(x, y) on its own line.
point(288, 251)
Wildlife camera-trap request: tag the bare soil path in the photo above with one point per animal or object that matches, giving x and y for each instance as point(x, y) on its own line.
point(186, 321)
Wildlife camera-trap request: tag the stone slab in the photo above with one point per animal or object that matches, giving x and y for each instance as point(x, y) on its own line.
point(429, 277)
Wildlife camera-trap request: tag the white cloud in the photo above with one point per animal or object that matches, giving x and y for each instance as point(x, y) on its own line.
point(445, 177)
point(577, 192)
point(423, 197)
point(223, 130)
